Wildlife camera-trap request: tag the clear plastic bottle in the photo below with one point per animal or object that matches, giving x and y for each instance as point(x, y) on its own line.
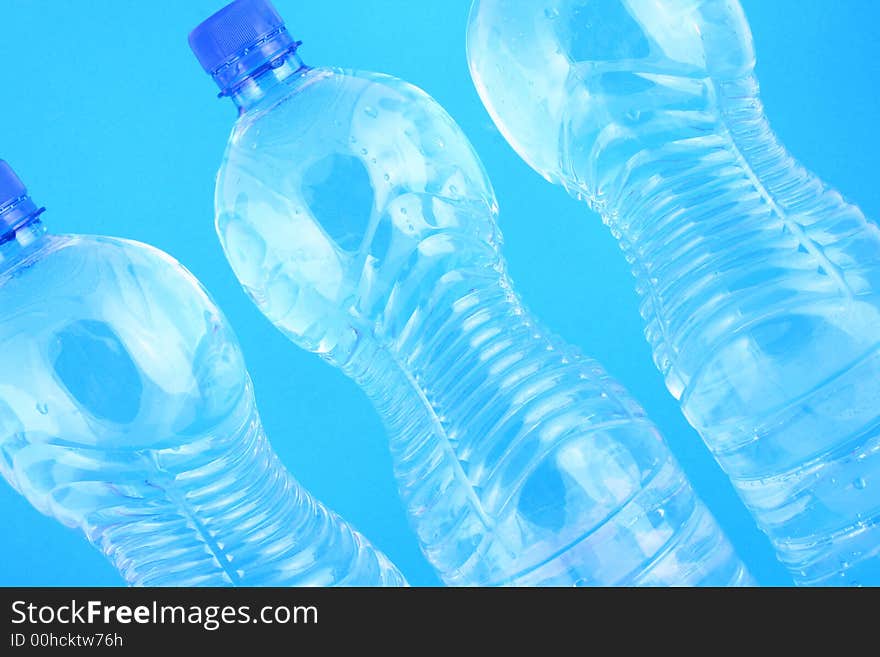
point(358, 218)
point(759, 282)
point(126, 411)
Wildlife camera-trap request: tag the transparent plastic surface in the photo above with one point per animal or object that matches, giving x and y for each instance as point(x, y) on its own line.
point(356, 215)
point(759, 282)
point(126, 411)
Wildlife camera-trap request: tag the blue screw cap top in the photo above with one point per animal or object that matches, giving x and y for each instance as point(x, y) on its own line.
point(239, 41)
point(11, 187)
point(16, 207)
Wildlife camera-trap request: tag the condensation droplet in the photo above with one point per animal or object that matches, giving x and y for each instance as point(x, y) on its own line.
point(387, 177)
point(860, 483)
point(656, 517)
point(369, 110)
point(364, 151)
point(43, 409)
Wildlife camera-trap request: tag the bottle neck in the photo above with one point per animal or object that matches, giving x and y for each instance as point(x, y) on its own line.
point(269, 81)
point(19, 238)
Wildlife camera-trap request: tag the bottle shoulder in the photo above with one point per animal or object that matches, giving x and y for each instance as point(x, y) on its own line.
point(76, 264)
point(311, 87)
point(394, 128)
point(563, 82)
point(106, 339)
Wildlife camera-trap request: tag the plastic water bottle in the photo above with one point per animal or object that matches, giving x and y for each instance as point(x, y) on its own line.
point(358, 218)
point(760, 283)
point(126, 411)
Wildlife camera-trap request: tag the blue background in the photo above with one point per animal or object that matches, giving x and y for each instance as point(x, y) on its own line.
point(115, 128)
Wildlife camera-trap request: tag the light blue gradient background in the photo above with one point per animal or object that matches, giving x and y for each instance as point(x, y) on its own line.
point(115, 128)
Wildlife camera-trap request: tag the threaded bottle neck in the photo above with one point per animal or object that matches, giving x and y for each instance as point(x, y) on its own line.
point(18, 244)
point(17, 215)
point(20, 225)
point(266, 81)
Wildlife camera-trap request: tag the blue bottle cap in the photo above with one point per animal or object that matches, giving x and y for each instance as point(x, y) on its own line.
point(11, 187)
point(16, 207)
point(240, 40)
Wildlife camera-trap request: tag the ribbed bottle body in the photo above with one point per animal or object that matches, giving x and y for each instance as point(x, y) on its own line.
point(523, 463)
point(759, 293)
point(231, 515)
point(773, 342)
